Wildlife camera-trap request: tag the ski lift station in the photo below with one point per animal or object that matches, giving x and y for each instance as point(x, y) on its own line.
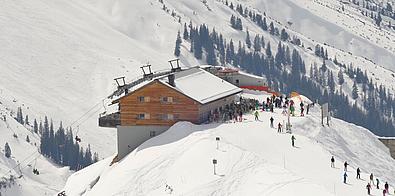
point(149, 106)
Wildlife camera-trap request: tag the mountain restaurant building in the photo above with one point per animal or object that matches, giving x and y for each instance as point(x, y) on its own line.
point(152, 107)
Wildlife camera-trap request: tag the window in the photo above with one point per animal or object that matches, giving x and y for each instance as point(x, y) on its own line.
point(143, 99)
point(166, 116)
point(152, 133)
point(143, 116)
point(166, 99)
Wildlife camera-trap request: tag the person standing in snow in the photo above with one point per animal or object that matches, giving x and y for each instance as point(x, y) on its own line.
point(368, 187)
point(307, 108)
point(332, 162)
point(293, 140)
point(345, 178)
point(358, 173)
point(279, 128)
point(377, 183)
point(271, 122)
point(292, 109)
point(256, 114)
point(240, 116)
point(386, 187)
point(345, 166)
point(384, 192)
point(371, 179)
point(301, 109)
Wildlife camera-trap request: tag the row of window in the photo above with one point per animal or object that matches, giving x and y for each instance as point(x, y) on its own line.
point(144, 99)
point(146, 116)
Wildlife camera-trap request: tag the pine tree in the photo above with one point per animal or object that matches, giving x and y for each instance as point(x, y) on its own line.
point(177, 49)
point(257, 43)
point(95, 157)
point(27, 119)
point(268, 50)
point(239, 24)
point(271, 28)
point(288, 56)
point(35, 126)
point(284, 35)
point(233, 22)
point(340, 77)
point(248, 39)
point(186, 34)
point(354, 91)
point(211, 57)
point(331, 82)
point(378, 19)
point(7, 150)
point(323, 67)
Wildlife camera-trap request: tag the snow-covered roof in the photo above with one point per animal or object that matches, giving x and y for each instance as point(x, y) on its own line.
point(201, 85)
point(195, 83)
point(250, 75)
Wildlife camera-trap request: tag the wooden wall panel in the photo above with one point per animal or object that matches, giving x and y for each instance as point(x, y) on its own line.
point(184, 107)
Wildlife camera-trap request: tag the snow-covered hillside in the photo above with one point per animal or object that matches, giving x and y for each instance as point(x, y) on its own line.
point(24, 158)
point(253, 159)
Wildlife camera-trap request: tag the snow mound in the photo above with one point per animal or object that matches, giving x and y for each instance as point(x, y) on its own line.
point(253, 159)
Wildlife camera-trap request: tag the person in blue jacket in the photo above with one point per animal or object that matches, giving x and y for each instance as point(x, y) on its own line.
point(345, 178)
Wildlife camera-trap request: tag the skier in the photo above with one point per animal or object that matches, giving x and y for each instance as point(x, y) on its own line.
point(256, 115)
point(386, 187)
point(345, 166)
point(377, 183)
point(307, 108)
point(271, 122)
point(384, 192)
point(279, 128)
point(240, 116)
point(333, 162)
point(301, 109)
point(345, 178)
point(358, 173)
point(293, 140)
point(368, 187)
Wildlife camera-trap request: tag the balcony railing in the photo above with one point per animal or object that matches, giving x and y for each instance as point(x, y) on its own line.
point(110, 120)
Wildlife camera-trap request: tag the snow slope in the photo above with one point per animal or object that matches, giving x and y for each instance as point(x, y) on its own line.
point(25, 157)
point(253, 159)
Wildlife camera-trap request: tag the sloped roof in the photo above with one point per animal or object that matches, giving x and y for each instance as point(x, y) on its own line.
point(201, 85)
point(196, 84)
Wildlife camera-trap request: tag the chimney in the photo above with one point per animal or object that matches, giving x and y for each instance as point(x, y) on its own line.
point(171, 78)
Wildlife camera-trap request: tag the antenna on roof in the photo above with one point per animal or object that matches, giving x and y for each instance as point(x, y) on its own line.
point(147, 70)
point(176, 67)
point(120, 81)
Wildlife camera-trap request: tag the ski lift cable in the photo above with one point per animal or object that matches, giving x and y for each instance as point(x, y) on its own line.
point(83, 120)
point(20, 163)
point(38, 153)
